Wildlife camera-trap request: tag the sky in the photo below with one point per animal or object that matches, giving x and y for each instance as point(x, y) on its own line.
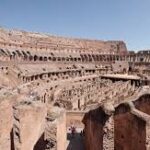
point(127, 20)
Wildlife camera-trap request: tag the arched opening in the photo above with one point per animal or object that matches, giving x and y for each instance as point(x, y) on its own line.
point(54, 58)
point(32, 78)
point(82, 58)
point(90, 57)
point(45, 58)
point(94, 122)
point(41, 76)
point(85, 57)
point(79, 59)
point(58, 59)
point(75, 59)
point(30, 58)
point(35, 57)
point(40, 58)
point(36, 77)
point(49, 58)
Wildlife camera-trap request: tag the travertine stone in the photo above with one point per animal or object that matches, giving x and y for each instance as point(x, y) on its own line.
point(42, 77)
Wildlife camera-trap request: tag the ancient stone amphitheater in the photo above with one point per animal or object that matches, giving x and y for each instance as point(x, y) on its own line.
point(49, 83)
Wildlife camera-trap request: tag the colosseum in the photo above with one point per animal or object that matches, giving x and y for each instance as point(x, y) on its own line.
point(62, 93)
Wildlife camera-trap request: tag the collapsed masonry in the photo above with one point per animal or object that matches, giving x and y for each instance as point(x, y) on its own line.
point(42, 77)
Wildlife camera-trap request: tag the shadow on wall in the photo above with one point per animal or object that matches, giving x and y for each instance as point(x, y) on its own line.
point(12, 140)
point(75, 142)
point(41, 143)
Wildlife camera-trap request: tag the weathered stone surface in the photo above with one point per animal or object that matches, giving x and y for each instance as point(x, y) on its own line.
point(29, 123)
point(42, 77)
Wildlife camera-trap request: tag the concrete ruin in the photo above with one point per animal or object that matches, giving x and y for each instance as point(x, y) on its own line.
point(49, 83)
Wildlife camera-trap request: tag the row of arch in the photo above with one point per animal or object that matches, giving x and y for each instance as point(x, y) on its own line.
point(62, 75)
point(89, 57)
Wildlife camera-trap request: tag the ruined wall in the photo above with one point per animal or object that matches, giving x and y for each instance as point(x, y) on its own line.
point(28, 124)
point(94, 122)
point(61, 132)
point(120, 67)
point(41, 75)
point(6, 123)
point(130, 131)
point(127, 128)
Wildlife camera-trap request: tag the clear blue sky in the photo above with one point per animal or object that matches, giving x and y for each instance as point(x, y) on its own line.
point(127, 20)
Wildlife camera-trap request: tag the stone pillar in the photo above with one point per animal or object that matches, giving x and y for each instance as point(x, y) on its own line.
point(61, 132)
point(50, 135)
point(55, 130)
point(29, 122)
point(108, 137)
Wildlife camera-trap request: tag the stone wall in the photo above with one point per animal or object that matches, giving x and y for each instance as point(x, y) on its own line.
point(125, 128)
point(75, 118)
